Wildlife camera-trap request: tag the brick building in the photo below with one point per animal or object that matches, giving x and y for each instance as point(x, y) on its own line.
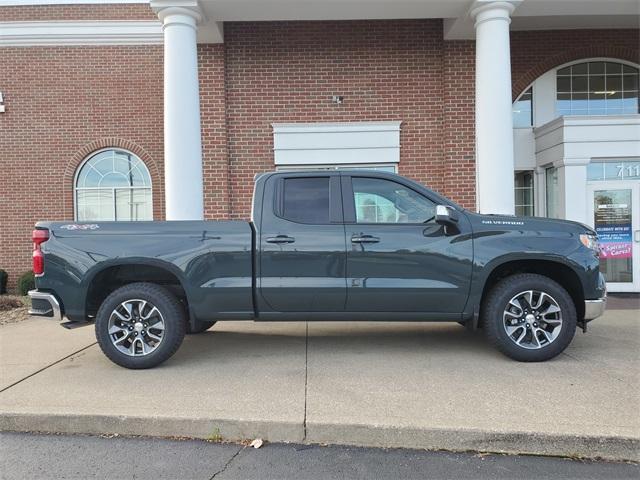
point(137, 110)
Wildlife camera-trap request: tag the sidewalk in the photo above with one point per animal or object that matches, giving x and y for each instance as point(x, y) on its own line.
point(412, 385)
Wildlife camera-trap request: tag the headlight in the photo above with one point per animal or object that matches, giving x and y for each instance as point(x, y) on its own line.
point(590, 241)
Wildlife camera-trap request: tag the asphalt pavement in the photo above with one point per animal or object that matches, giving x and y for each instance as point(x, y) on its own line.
point(39, 456)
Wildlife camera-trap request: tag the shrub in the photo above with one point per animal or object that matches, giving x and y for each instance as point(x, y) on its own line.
point(3, 281)
point(26, 282)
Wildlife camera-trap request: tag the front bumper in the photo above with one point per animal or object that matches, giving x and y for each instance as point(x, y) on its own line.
point(45, 304)
point(594, 308)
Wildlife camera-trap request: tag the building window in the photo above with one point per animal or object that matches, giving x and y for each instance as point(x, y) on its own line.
point(597, 88)
point(523, 111)
point(113, 185)
point(524, 193)
point(552, 194)
point(619, 169)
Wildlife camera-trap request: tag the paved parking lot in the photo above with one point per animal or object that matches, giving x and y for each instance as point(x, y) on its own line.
point(421, 385)
point(24, 455)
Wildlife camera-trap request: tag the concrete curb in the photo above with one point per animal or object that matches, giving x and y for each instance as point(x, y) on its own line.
point(606, 447)
point(529, 443)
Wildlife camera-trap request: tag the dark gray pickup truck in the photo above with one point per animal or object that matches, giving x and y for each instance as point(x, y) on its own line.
point(322, 245)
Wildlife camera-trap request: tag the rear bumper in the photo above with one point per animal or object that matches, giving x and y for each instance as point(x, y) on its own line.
point(44, 304)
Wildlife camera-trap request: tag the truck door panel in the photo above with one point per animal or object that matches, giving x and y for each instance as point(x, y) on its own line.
point(398, 258)
point(302, 244)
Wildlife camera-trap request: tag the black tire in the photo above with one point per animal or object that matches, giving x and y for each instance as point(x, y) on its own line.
point(200, 327)
point(497, 302)
point(172, 313)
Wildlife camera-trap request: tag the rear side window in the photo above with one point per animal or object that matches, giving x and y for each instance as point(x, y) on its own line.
point(306, 200)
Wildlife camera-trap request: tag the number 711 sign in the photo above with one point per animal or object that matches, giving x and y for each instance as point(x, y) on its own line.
point(628, 170)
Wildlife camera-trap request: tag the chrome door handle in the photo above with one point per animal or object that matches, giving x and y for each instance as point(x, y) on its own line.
point(280, 239)
point(364, 239)
point(636, 236)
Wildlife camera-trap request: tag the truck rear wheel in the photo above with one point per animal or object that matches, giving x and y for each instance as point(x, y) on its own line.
point(529, 317)
point(140, 325)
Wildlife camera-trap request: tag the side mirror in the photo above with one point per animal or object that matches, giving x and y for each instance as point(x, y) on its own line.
point(446, 215)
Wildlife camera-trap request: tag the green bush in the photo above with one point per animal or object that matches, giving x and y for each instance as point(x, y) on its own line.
point(3, 281)
point(26, 282)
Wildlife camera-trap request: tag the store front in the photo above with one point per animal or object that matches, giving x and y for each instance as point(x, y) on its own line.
point(614, 210)
point(577, 157)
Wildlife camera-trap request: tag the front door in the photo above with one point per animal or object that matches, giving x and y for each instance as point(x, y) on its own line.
point(398, 258)
point(614, 212)
point(302, 247)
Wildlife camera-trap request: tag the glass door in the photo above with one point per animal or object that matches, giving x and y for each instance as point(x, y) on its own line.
point(614, 212)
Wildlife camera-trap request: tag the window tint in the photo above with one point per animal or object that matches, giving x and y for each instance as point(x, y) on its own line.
point(383, 201)
point(306, 200)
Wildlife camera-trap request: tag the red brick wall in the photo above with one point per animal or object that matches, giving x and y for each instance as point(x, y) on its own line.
point(215, 155)
point(459, 122)
point(28, 13)
point(61, 103)
point(288, 71)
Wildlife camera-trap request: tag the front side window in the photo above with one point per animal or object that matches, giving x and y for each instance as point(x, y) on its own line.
point(113, 185)
point(384, 201)
point(597, 88)
point(306, 200)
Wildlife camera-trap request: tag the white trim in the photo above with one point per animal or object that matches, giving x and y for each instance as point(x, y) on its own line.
point(336, 143)
point(337, 166)
point(20, 3)
point(121, 32)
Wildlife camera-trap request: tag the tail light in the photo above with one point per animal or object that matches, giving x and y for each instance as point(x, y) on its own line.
point(38, 237)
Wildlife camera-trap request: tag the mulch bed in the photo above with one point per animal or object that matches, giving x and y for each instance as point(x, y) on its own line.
point(12, 309)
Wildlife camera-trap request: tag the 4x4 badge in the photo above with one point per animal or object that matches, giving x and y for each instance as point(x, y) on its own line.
point(75, 226)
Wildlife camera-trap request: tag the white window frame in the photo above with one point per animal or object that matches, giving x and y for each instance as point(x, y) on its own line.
point(113, 189)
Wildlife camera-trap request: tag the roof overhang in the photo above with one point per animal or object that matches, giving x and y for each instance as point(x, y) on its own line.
point(529, 15)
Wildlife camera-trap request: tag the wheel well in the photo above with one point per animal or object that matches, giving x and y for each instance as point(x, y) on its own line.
point(558, 272)
point(114, 277)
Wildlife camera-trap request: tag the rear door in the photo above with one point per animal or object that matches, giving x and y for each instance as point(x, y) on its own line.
point(302, 244)
point(398, 258)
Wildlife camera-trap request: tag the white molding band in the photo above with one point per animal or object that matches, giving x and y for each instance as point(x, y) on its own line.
point(336, 143)
point(121, 32)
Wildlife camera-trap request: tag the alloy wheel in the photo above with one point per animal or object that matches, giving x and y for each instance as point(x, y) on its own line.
point(136, 327)
point(532, 319)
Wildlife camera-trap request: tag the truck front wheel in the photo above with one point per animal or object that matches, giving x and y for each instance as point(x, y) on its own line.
point(529, 317)
point(140, 325)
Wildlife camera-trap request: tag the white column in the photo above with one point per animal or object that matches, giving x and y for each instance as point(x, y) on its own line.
point(494, 124)
point(182, 141)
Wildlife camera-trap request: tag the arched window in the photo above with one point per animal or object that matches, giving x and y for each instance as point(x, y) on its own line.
point(597, 88)
point(113, 184)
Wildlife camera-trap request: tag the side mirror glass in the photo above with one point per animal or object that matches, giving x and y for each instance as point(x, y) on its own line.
point(446, 215)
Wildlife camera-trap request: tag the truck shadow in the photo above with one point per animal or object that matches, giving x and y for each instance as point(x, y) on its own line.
point(228, 340)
